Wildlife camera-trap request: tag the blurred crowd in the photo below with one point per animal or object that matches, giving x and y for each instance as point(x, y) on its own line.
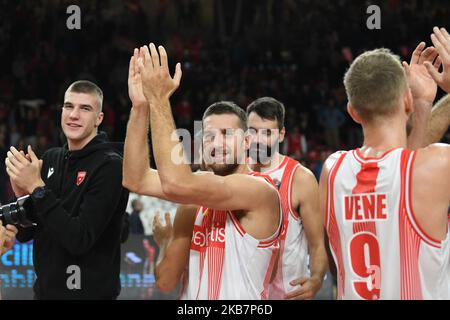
point(294, 50)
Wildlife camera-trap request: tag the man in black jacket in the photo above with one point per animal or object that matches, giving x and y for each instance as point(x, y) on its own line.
point(78, 204)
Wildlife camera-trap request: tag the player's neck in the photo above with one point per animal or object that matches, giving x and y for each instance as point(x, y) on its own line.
point(381, 138)
point(75, 145)
point(274, 162)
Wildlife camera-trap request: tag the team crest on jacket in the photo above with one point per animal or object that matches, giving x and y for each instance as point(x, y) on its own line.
point(80, 177)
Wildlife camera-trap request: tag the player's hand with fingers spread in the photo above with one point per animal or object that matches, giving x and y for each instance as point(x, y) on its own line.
point(423, 87)
point(307, 288)
point(441, 41)
point(25, 172)
point(135, 91)
point(162, 234)
point(157, 83)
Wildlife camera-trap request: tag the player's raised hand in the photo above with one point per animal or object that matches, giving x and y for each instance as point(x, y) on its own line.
point(157, 82)
point(441, 41)
point(162, 234)
point(135, 91)
point(423, 87)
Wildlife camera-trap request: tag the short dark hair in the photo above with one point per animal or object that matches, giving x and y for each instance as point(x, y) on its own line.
point(86, 86)
point(268, 108)
point(227, 107)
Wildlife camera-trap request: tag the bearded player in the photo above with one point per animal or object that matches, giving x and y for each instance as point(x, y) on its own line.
point(231, 239)
point(302, 230)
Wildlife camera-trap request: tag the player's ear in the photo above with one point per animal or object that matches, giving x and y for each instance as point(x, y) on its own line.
point(282, 135)
point(99, 119)
point(353, 114)
point(248, 138)
point(408, 102)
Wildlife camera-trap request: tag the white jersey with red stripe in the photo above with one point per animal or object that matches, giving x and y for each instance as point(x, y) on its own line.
point(227, 263)
point(293, 260)
point(379, 249)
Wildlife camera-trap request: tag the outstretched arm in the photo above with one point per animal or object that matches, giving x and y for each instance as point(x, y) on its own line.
point(179, 184)
point(440, 119)
point(423, 90)
point(138, 177)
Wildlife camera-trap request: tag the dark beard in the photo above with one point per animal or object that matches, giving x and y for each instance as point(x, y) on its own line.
point(260, 153)
point(223, 169)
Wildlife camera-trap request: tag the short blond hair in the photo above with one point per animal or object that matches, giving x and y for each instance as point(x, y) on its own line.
point(86, 86)
point(374, 83)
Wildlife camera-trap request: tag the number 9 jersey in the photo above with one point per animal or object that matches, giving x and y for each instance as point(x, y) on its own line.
point(379, 249)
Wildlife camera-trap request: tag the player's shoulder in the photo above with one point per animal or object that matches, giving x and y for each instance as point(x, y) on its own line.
point(436, 150)
point(333, 159)
point(259, 178)
point(304, 175)
point(260, 185)
point(54, 152)
point(112, 161)
point(435, 155)
point(111, 155)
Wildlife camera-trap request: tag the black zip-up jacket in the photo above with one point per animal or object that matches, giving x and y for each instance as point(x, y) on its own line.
point(79, 222)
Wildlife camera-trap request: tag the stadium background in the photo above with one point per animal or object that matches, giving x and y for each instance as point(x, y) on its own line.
point(294, 50)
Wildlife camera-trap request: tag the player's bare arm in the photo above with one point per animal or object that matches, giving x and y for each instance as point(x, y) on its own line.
point(306, 195)
point(432, 164)
point(423, 89)
point(323, 189)
point(138, 177)
point(439, 121)
point(174, 243)
point(430, 204)
point(179, 184)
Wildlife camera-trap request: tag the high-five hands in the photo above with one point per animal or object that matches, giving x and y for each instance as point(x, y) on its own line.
point(135, 91)
point(157, 84)
point(441, 41)
point(423, 87)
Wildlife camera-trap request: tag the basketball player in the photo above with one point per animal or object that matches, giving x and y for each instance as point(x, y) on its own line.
point(386, 206)
point(77, 201)
point(235, 229)
point(299, 191)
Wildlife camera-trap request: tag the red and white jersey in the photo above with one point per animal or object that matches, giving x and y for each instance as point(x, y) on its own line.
point(379, 249)
point(227, 263)
point(293, 259)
